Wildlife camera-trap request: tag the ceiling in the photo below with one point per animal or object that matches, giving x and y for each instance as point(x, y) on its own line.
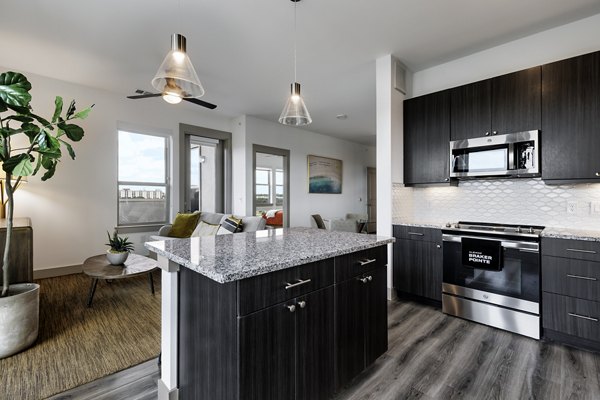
point(242, 50)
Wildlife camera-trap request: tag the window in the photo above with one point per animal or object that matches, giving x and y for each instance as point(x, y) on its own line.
point(263, 186)
point(279, 187)
point(143, 179)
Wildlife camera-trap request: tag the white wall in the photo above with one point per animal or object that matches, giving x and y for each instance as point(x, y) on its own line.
point(72, 212)
point(555, 44)
point(356, 158)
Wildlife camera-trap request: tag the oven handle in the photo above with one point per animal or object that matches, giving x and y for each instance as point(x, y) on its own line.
point(528, 247)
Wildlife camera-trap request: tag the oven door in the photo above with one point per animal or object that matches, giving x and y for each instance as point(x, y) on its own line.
point(516, 274)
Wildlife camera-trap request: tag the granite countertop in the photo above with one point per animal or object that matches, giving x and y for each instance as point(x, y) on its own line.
point(574, 234)
point(228, 258)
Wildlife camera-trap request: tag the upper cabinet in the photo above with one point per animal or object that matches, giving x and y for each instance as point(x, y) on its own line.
point(505, 104)
point(426, 139)
point(571, 119)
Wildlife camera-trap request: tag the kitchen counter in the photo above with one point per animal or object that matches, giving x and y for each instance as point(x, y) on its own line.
point(438, 225)
point(228, 258)
point(574, 234)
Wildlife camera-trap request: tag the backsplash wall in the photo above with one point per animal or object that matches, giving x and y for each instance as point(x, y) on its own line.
point(511, 201)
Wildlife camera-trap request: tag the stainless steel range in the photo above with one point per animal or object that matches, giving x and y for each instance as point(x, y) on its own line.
point(492, 275)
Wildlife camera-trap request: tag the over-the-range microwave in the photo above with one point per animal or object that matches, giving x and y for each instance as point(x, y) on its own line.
point(511, 155)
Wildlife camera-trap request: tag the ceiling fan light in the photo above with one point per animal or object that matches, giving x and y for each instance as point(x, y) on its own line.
point(171, 98)
point(176, 73)
point(295, 112)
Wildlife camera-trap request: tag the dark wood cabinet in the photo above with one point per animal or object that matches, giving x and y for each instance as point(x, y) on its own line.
point(506, 104)
point(426, 139)
point(571, 119)
point(418, 263)
point(250, 339)
point(471, 110)
point(571, 292)
point(21, 246)
point(361, 323)
point(517, 101)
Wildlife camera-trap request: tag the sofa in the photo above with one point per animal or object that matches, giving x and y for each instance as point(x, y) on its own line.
point(273, 218)
point(249, 224)
point(348, 224)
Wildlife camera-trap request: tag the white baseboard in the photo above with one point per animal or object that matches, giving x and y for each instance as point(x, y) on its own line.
point(57, 271)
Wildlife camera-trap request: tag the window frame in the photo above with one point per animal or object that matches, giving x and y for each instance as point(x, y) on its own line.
point(268, 185)
point(275, 185)
point(167, 184)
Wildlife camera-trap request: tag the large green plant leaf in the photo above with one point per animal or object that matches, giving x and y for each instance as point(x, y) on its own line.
point(14, 89)
point(19, 165)
point(69, 148)
point(83, 114)
point(73, 132)
point(58, 105)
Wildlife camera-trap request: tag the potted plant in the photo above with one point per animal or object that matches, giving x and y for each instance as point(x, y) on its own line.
point(120, 247)
point(41, 144)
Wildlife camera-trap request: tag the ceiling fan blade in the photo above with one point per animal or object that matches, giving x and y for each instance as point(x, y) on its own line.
point(143, 96)
point(201, 103)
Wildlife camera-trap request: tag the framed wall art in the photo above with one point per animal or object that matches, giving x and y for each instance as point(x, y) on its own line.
point(324, 175)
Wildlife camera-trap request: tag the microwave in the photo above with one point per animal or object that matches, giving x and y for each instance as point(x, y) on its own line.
point(515, 155)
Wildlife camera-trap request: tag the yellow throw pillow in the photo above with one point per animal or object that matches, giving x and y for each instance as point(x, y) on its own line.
point(184, 225)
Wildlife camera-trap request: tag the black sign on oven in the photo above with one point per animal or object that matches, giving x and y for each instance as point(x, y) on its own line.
point(482, 254)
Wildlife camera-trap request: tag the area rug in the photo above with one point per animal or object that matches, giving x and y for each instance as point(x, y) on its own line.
point(77, 344)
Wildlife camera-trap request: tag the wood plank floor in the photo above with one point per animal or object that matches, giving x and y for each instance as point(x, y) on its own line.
point(430, 356)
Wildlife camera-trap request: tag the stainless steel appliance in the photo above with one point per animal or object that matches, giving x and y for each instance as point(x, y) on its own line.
point(491, 275)
point(511, 155)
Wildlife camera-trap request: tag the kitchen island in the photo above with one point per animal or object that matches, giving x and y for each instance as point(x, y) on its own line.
point(293, 313)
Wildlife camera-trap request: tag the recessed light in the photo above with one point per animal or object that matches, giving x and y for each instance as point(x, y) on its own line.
point(342, 116)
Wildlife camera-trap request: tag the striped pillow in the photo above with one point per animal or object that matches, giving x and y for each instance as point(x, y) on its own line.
point(231, 224)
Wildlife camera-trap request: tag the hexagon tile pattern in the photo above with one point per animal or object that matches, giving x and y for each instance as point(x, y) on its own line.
point(509, 201)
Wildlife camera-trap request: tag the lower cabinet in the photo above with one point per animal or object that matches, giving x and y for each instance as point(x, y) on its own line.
point(293, 339)
point(418, 261)
point(293, 334)
point(361, 323)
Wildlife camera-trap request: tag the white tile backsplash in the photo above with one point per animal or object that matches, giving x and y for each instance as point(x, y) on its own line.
point(511, 201)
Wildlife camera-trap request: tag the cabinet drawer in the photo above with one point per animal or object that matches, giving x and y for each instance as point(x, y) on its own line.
point(578, 249)
point(265, 290)
point(354, 264)
point(572, 316)
point(417, 233)
point(576, 278)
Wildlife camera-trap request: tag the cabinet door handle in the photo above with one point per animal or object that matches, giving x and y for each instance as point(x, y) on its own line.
point(495, 133)
point(582, 251)
point(597, 173)
point(583, 317)
point(366, 279)
point(487, 134)
point(587, 278)
point(292, 308)
point(438, 246)
point(293, 285)
point(416, 234)
point(302, 304)
point(367, 261)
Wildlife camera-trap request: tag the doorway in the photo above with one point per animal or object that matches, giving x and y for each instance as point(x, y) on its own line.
point(271, 185)
point(371, 200)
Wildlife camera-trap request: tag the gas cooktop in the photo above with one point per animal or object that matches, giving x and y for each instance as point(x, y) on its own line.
point(492, 228)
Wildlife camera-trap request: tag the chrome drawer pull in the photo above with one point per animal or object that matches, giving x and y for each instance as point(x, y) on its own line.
point(582, 251)
point(416, 234)
point(292, 285)
point(366, 279)
point(587, 278)
point(367, 261)
point(583, 317)
point(292, 308)
point(302, 304)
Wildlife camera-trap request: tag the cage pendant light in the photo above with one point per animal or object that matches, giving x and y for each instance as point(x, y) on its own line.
point(295, 112)
point(176, 77)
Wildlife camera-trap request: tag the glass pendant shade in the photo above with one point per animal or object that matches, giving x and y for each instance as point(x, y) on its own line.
point(176, 77)
point(295, 112)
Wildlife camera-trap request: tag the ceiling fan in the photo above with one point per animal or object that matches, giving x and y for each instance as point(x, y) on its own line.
point(176, 78)
point(142, 94)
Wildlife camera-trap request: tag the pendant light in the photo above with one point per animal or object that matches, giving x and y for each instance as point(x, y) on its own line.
point(295, 112)
point(176, 78)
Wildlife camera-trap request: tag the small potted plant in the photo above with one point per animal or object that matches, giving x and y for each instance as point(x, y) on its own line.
point(120, 247)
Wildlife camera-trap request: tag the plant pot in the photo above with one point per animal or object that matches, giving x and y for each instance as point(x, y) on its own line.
point(117, 258)
point(19, 318)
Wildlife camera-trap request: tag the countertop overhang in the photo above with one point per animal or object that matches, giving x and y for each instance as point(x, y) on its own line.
point(228, 258)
